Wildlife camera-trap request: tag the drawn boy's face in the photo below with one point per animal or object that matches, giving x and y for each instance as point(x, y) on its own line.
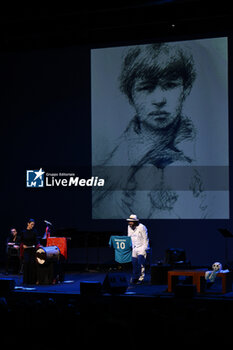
point(158, 104)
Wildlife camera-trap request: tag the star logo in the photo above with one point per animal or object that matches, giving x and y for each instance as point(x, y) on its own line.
point(38, 174)
point(35, 178)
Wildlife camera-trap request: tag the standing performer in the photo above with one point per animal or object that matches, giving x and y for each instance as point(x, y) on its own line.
point(140, 245)
point(29, 242)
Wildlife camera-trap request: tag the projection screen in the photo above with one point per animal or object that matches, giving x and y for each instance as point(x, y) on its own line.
point(160, 130)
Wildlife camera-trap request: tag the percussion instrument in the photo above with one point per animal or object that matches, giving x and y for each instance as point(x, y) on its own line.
point(47, 254)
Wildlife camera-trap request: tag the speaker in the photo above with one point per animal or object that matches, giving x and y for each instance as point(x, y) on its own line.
point(7, 285)
point(174, 255)
point(115, 283)
point(185, 290)
point(90, 287)
point(158, 273)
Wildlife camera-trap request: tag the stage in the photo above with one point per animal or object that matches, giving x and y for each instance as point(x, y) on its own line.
point(146, 310)
point(71, 286)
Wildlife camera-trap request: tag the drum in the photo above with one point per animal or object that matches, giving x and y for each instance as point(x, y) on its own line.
point(47, 254)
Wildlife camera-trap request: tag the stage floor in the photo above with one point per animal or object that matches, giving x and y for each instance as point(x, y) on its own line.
point(71, 286)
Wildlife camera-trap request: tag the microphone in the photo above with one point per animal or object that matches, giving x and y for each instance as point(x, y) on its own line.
point(48, 223)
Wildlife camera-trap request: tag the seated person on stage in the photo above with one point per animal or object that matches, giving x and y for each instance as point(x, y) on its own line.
point(12, 250)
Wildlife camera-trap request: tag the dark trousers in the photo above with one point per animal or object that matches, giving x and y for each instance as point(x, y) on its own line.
point(29, 266)
point(139, 266)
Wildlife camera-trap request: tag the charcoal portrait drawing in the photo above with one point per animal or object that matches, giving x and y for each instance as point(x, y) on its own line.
point(143, 167)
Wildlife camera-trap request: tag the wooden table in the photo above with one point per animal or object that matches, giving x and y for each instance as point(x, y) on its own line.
point(197, 275)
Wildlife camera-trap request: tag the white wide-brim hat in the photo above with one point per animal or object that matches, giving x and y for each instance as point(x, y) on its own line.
point(133, 217)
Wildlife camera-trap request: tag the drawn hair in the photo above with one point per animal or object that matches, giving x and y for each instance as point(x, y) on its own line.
point(154, 61)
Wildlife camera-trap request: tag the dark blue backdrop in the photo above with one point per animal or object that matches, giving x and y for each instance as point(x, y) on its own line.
point(46, 122)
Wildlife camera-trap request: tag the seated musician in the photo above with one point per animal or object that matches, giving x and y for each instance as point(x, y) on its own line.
point(12, 249)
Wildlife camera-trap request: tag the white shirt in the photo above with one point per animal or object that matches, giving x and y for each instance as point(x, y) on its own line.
point(139, 237)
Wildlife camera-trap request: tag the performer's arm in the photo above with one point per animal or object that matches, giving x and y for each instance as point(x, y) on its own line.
point(145, 238)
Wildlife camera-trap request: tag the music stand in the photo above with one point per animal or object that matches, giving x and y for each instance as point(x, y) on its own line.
point(226, 234)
